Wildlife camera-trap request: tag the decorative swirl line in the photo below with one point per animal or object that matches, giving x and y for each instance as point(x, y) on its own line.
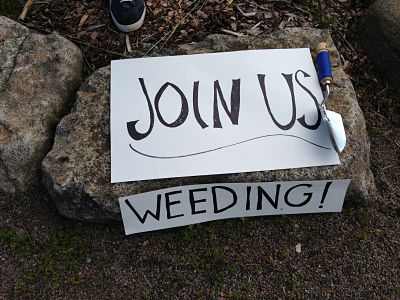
point(227, 146)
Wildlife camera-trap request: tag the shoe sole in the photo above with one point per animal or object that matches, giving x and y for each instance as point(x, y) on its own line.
point(131, 27)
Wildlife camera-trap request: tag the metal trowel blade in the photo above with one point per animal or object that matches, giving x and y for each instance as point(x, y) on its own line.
point(335, 126)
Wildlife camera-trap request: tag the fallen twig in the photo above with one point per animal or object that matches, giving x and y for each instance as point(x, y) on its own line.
point(28, 235)
point(238, 34)
point(25, 10)
point(128, 43)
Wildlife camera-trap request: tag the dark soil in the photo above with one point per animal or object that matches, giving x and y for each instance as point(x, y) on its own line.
point(354, 254)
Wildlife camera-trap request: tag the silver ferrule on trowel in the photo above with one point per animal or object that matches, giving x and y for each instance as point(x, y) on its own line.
point(326, 93)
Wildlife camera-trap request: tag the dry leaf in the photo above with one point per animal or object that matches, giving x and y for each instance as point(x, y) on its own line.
point(195, 23)
point(253, 31)
point(82, 22)
point(94, 35)
point(268, 15)
point(202, 14)
point(345, 65)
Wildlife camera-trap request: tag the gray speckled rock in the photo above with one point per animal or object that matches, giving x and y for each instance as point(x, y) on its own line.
point(380, 38)
point(77, 170)
point(39, 76)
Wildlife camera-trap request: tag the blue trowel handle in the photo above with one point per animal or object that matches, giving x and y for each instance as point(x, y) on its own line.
point(324, 64)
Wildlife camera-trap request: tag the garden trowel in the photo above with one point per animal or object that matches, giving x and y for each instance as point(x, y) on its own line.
point(332, 120)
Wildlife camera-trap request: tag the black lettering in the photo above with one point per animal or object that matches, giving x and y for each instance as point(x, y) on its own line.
point(233, 113)
point(262, 193)
point(193, 201)
point(131, 126)
point(302, 120)
point(147, 212)
point(215, 201)
point(184, 106)
point(169, 203)
point(248, 189)
point(324, 193)
point(196, 105)
point(289, 81)
point(308, 195)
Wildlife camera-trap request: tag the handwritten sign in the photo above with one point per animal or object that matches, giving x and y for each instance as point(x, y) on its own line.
point(192, 204)
point(215, 114)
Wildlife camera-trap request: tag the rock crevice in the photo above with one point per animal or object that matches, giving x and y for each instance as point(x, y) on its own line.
point(14, 64)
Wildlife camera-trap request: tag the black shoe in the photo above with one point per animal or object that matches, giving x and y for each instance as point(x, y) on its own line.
point(128, 15)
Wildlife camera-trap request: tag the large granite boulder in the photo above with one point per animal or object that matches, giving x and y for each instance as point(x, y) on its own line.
point(77, 170)
point(39, 76)
point(380, 38)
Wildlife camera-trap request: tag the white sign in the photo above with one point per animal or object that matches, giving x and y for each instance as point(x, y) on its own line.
point(216, 113)
point(192, 204)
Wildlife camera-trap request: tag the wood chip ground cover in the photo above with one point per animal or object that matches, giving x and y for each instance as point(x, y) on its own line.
point(355, 254)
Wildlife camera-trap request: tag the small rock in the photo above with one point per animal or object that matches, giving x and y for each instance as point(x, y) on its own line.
point(298, 248)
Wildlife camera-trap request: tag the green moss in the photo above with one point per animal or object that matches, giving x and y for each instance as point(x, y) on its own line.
point(285, 223)
point(294, 285)
point(362, 217)
point(20, 244)
point(69, 251)
point(57, 261)
point(326, 22)
point(3, 204)
point(372, 128)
